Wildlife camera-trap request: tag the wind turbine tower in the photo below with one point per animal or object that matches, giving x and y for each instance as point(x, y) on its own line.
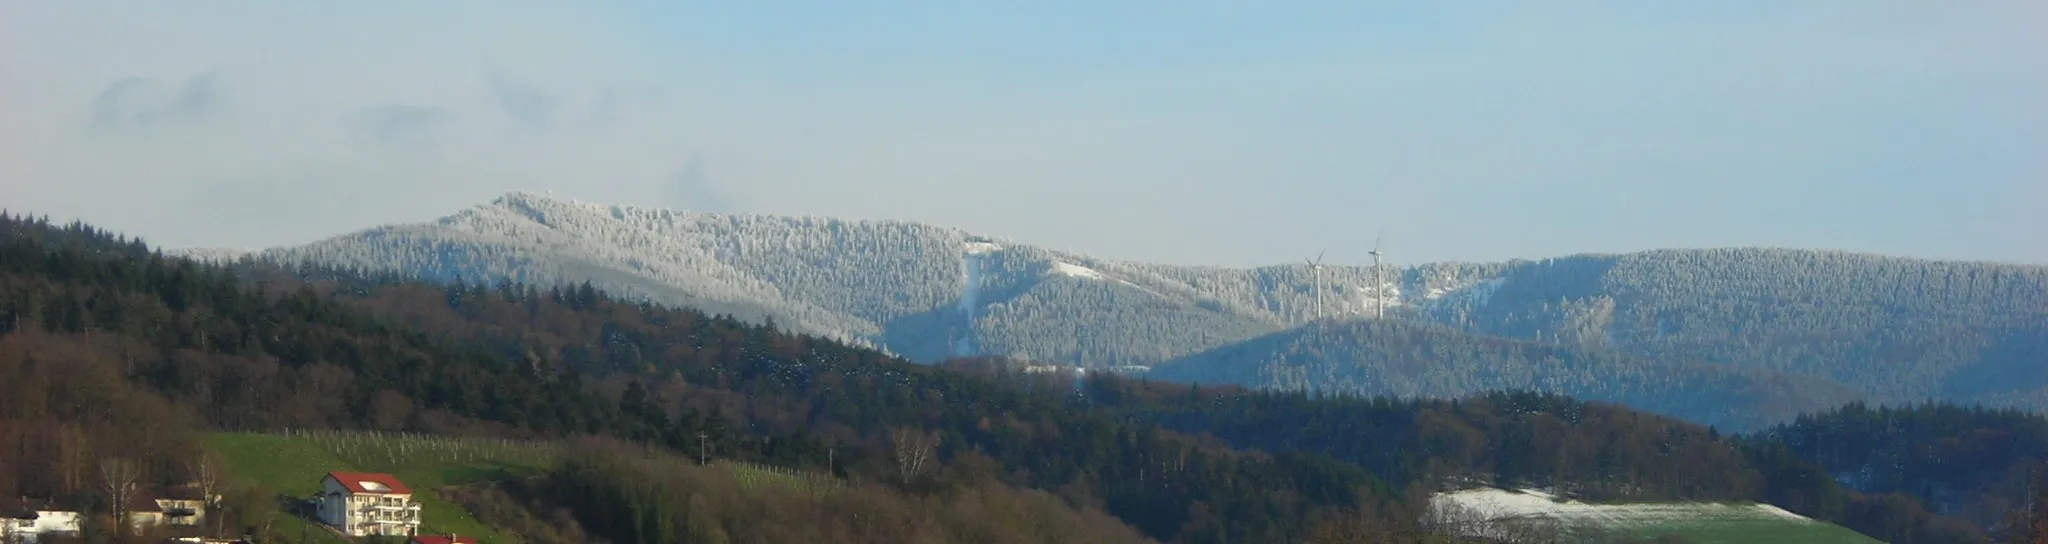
point(1379, 284)
point(1315, 268)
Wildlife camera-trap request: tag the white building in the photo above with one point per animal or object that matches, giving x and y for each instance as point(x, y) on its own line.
point(29, 520)
point(364, 504)
point(183, 505)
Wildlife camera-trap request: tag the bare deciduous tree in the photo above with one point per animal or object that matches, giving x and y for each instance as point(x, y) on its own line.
point(117, 477)
point(914, 449)
point(206, 475)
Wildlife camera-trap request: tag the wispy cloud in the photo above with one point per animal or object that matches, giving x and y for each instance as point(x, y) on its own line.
point(1249, 135)
point(520, 98)
point(143, 101)
point(402, 129)
point(690, 189)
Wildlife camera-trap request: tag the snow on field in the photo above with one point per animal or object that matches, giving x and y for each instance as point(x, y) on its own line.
point(1478, 507)
point(1780, 512)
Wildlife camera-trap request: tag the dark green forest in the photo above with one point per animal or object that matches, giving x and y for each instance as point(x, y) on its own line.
point(1972, 462)
point(111, 350)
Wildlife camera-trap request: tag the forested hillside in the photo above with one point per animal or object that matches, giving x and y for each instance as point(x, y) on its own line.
point(1966, 461)
point(1897, 329)
point(1890, 329)
point(1419, 360)
point(307, 348)
point(1590, 450)
point(90, 317)
point(920, 291)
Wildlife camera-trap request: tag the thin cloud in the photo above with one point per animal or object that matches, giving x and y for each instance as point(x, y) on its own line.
point(690, 189)
point(400, 124)
point(140, 101)
point(521, 99)
point(613, 105)
point(402, 131)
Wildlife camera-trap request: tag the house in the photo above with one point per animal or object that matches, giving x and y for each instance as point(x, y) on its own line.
point(442, 539)
point(365, 504)
point(28, 520)
point(16, 518)
point(142, 511)
point(182, 506)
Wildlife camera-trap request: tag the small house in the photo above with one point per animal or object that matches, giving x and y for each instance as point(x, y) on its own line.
point(142, 510)
point(16, 518)
point(182, 506)
point(28, 520)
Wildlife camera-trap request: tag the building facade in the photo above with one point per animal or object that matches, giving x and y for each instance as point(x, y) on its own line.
point(30, 520)
point(366, 504)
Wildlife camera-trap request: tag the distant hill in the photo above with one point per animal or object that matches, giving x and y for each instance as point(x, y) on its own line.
point(1423, 360)
point(1890, 329)
point(1897, 329)
point(112, 350)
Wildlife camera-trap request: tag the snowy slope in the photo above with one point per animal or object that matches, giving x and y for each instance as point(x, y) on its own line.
point(1890, 328)
point(922, 291)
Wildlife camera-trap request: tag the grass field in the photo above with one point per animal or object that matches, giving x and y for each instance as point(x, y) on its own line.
point(1499, 511)
point(294, 463)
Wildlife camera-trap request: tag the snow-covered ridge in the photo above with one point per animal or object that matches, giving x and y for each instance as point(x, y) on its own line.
point(860, 280)
point(210, 254)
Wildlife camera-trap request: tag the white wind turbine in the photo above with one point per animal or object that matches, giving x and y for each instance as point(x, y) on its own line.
point(1379, 299)
point(1315, 267)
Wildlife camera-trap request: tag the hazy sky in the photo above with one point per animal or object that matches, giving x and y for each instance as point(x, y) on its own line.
point(1188, 131)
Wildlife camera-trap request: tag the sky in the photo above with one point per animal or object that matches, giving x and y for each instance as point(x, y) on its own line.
point(1181, 131)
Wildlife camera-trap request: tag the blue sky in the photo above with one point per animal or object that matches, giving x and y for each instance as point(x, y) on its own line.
point(1199, 132)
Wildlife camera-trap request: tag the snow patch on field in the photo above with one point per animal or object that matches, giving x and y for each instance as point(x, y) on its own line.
point(1780, 512)
point(1485, 512)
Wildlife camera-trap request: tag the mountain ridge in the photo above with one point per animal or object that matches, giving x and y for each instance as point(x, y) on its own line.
point(1894, 329)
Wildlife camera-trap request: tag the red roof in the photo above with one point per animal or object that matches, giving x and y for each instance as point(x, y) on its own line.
point(443, 539)
point(370, 482)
